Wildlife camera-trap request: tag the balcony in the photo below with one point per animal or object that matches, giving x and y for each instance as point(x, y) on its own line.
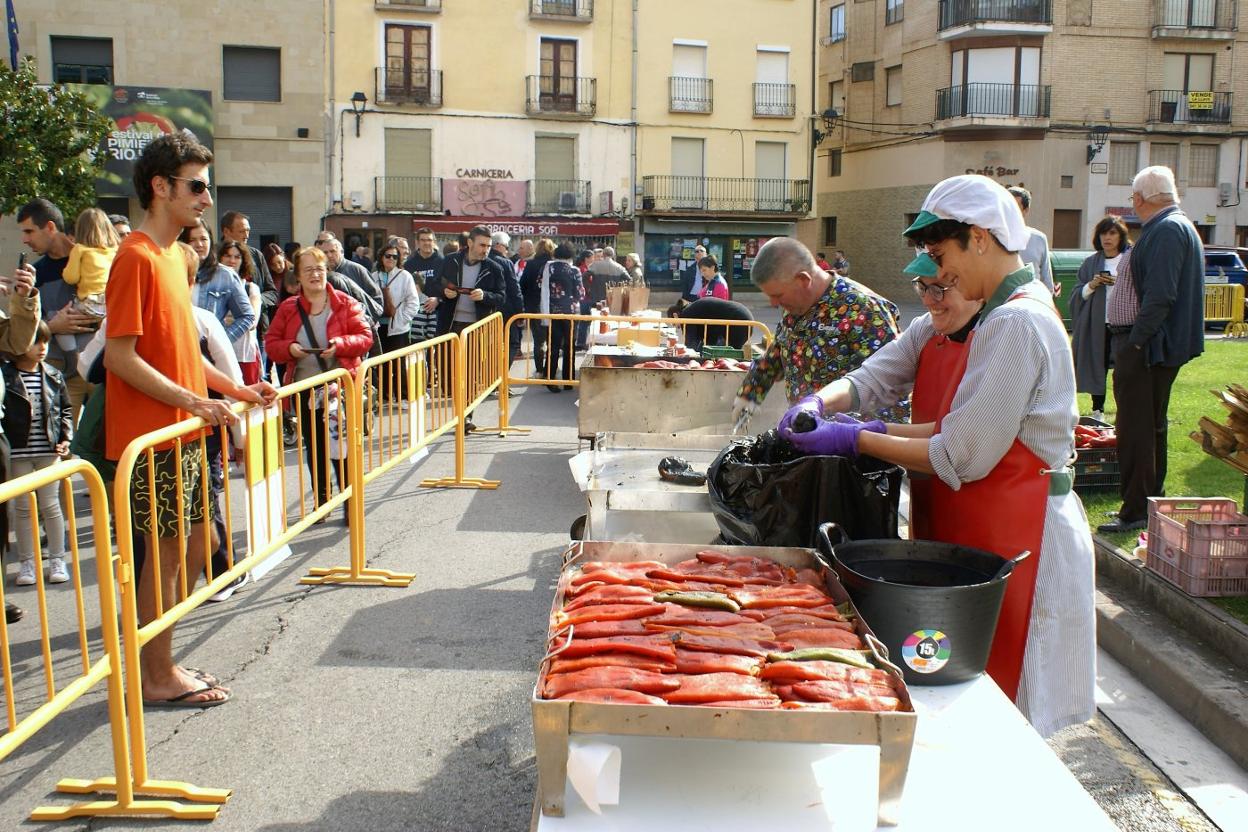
point(775, 100)
point(995, 105)
point(576, 11)
point(431, 6)
point(557, 196)
point(408, 193)
point(690, 95)
point(724, 195)
point(1177, 107)
point(413, 86)
point(1206, 19)
point(561, 96)
point(971, 18)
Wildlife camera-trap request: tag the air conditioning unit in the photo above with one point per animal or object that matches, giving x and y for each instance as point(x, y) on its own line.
point(606, 202)
point(568, 201)
point(1224, 193)
point(357, 199)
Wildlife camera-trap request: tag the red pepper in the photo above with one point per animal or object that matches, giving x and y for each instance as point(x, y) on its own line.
point(1107, 440)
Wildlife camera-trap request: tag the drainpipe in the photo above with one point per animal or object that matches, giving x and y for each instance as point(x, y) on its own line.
point(632, 172)
point(329, 117)
point(814, 103)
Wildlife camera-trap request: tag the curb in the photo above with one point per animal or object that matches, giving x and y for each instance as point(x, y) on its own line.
point(1149, 633)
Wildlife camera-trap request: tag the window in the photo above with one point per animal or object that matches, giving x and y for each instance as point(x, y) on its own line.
point(690, 88)
point(836, 96)
point(1202, 166)
point(829, 231)
point(1184, 72)
point(773, 94)
point(557, 83)
point(252, 73)
point(862, 71)
point(834, 162)
point(836, 28)
point(554, 188)
point(1164, 153)
point(1123, 162)
point(997, 81)
point(82, 60)
point(894, 11)
point(1068, 182)
point(407, 64)
point(892, 77)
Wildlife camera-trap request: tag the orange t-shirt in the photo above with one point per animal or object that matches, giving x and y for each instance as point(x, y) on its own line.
point(147, 295)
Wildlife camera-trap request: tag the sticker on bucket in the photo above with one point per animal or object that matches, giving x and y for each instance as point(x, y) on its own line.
point(925, 651)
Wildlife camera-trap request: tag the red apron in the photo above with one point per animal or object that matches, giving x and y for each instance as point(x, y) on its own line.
point(1001, 513)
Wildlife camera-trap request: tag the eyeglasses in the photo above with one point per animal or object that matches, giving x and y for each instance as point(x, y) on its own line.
point(313, 270)
point(197, 186)
point(934, 289)
point(388, 256)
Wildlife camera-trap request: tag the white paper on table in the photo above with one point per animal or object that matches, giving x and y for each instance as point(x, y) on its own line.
point(594, 771)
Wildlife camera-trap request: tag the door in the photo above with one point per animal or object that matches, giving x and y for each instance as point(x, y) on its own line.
point(407, 184)
point(407, 63)
point(688, 174)
point(1183, 73)
point(769, 172)
point(554, 175)
point(557, 84)
point(771, 92)
point(689, 85)
point(268, 210)
point(1066, 227)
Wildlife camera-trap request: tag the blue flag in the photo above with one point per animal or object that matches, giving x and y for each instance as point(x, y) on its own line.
point(12, 32)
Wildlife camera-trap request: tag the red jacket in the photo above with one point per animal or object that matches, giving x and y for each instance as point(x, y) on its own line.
point(346, 324)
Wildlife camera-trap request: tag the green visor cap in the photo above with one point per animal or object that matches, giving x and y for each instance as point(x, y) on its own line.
point(922, 266)
point(923, 220)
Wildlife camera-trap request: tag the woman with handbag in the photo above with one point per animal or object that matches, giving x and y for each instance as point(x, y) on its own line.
point(313, 332)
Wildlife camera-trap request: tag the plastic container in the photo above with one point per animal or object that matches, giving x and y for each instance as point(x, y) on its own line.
point(1199, 545)
point(934, 605)
point(1097, 469)
point(722, 352)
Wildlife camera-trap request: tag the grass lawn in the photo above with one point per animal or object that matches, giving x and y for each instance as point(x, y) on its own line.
point(1191, 472)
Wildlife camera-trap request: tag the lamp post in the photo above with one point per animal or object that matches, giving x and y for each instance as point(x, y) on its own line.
point(829, 118)
point(358, 102)
point(1097, 136)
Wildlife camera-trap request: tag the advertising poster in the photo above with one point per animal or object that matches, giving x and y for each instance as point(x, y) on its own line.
point(138, 115)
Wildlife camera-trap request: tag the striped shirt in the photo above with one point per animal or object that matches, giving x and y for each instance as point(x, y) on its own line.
point(37, 440)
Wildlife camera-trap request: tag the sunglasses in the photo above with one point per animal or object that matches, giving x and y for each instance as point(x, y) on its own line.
point(197, 186)
point(388, 256)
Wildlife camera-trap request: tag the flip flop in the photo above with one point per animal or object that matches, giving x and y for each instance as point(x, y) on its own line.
point(203, 676)
point(183, 700)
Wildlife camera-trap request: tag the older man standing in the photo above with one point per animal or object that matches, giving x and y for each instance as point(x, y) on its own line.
point(1156, 324)
point(831, 325)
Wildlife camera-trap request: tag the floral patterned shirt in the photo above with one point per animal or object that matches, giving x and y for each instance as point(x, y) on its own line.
point(833, 337)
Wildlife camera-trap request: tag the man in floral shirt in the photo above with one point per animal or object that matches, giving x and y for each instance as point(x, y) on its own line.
point(832, 324)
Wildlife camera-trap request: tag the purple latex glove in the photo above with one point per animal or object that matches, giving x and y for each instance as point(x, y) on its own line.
point(833, 437)
point(810, 404)
point(875, 425)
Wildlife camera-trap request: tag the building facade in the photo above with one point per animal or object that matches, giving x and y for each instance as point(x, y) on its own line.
point(259, 89)
point(725, 94)
point(513, 114)
point(1067, 97)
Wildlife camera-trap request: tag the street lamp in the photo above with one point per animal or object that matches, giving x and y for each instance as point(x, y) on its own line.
point(358, 102)
point(1097, 136)
point(829, 118)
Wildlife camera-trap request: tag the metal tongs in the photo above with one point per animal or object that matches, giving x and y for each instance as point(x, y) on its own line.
point(743, 421)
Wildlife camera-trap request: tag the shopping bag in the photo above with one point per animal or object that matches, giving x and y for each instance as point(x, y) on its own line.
point(328, 398)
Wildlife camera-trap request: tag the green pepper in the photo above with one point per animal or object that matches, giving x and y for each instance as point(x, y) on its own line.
point(854, 658)
point(847, 611)
point(709, 600)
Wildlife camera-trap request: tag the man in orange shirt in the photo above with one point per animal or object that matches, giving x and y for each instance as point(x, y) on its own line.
point(156, 377)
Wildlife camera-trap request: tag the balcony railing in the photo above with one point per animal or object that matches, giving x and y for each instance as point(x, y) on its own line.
point(1189, 107)
point(411, 5)
point(580, 10)
point(408, 193)
point(408, 85)
point(955, 13)
point(676, 194)
point(994, 100)
point(775, 100)
point(1208, 15)
point(561, 95)
point(557, 196)
point(691, 95)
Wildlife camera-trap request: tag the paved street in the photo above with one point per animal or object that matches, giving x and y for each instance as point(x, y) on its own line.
point(406, 709)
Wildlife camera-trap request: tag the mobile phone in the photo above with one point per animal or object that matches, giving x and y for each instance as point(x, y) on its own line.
point(21, 260)
point(314, 350)
point(464, 291)
point(1105, 277)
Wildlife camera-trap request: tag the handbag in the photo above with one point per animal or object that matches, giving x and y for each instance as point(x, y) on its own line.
point(326, 397)
point(388, 307)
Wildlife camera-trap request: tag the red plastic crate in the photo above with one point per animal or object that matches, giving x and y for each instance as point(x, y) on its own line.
point(1199, 545)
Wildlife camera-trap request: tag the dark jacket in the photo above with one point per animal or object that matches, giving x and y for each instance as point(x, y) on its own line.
point(490, 281)
point(354, 272)
point(687, 281)
point(1168, 271)
point(58, 413)
point(515, 301)
point(1087, 319)
point(268, 289)
point(531, 282)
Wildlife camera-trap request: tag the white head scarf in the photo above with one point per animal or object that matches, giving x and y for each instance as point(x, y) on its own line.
point(976, 200)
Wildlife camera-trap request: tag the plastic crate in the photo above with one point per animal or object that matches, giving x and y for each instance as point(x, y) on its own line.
point(1199, 545)
point(1096, 469)
point(722, 352)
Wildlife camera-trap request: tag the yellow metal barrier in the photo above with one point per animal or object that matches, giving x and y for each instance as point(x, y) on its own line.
point(560, 330)
point(1224, 303)
point(106, 667)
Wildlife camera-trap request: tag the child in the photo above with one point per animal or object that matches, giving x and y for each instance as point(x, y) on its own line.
point(95, 245)
point(38, 420)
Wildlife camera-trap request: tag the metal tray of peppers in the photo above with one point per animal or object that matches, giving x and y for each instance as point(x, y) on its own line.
point(732, 642)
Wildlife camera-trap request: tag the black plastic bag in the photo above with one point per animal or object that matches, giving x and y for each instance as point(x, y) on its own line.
point(764, 492)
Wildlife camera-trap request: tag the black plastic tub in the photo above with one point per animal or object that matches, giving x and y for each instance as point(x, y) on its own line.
point(934, 605)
